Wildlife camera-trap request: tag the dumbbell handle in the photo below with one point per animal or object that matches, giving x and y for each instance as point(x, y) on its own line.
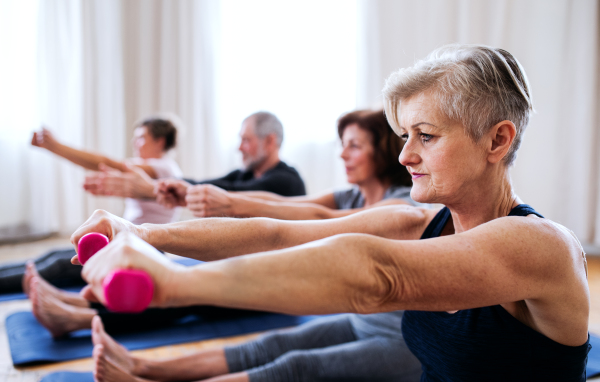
point(125, 290)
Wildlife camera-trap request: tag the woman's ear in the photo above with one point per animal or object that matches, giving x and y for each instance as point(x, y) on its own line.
point(162, 141)
point(500, 138)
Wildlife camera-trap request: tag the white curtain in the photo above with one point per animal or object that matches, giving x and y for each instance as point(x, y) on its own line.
point(169, 49)
point(80, 98)
point(18, 112)
point(557, 170)
point(103, 64)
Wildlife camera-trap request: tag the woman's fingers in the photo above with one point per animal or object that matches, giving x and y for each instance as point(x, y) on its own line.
point(89, 295)
point(75, 260)
point(127, 251)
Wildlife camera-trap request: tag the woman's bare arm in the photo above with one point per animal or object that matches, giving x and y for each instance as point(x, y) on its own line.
point(86, 159)
point(249, 207)
point(326, 199)
point(218, 238)
point(211, 201)
point(502, 262)
point(505, 261)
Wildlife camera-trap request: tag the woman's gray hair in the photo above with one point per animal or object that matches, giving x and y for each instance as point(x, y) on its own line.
point(475, 85)
point(266, 123)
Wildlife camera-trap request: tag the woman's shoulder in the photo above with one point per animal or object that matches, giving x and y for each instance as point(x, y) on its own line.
point(531, 237)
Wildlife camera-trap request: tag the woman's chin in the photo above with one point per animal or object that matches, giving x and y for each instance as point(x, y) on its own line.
point(420, 197)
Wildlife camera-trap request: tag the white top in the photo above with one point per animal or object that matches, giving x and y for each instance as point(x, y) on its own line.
point(139, 211)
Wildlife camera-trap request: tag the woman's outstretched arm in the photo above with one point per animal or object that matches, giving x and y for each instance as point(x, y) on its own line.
point(219, 238)
point(501, 262)
point(86, 159)
point(211, 201)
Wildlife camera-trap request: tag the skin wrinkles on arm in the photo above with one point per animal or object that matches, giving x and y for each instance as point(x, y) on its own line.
point(326, 200)
point(366, 274)
point(218, 238)
point(214, 202)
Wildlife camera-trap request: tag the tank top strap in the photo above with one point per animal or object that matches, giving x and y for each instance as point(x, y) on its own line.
point(524, 210)
point(436, 226)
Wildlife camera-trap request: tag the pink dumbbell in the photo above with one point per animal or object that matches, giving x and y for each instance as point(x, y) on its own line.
point(125, 290)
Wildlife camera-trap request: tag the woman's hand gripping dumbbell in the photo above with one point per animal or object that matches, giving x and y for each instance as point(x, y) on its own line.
point(120, 276)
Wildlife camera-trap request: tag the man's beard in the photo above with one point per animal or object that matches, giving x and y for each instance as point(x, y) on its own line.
point(253, 163)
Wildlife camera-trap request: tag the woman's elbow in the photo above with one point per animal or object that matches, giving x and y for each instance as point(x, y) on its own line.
point(378, 281)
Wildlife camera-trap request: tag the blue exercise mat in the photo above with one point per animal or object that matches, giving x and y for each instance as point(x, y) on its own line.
point(593, 367)
point(31, 343)
point(593, 362)
point(68, 376)
point(23, 296)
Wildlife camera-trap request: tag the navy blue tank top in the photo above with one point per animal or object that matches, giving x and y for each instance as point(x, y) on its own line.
point(487, 344)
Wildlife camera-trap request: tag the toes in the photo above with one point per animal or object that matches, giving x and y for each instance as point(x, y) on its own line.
point(32, 291)
point(32, 267)
point(99, 367)
point(96, 330)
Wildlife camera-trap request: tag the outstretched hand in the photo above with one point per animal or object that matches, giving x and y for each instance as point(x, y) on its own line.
point(44, 139)
point(105, 223)
point(132, 182)
point(127, 251)
point(171, 193)
point(206, 200)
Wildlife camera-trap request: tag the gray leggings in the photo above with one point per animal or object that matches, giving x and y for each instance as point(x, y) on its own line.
point(325, 349)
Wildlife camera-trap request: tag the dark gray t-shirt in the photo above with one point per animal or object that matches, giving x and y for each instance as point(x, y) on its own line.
point(352, 198)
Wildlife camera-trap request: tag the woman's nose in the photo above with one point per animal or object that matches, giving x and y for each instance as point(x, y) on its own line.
point(408, 156)
point(344, 153)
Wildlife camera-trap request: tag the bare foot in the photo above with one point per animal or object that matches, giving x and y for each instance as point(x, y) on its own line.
point(27, 277)
point(113, 350)
point(107, 371)
point(56, 316)
point(48, 289)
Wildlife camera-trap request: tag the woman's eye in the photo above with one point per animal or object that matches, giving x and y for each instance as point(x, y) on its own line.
point(426, 137)
point(404, 137)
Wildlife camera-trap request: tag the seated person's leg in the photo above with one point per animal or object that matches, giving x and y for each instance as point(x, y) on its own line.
point(55, 267)
point(373, 359)
point(323, 332)
point(158, 317)
point(109, 354)
point(56, 315)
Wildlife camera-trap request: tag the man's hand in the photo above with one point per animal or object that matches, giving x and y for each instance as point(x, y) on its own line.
point(206, 200)
point(132, 183)
point(105, 223)
point(171, 193)
point(44, 139)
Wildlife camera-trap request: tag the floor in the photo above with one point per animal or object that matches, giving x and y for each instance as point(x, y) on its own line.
point(16, 252)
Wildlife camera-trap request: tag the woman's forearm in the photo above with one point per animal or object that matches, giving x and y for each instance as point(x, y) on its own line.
point(334, 275)
point(219, 238)
point(84, 158)
point(251, 207)
point(213, 238)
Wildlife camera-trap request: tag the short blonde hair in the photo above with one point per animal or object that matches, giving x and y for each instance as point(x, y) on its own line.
point(475, 85)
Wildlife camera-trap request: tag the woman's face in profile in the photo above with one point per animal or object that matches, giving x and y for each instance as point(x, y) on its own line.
point(144, 144)
point(357, 153)
point(445, 163)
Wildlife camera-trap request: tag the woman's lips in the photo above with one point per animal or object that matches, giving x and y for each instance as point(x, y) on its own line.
point(416, 175)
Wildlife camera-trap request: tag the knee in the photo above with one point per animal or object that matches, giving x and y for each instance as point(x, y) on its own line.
point(296, 365)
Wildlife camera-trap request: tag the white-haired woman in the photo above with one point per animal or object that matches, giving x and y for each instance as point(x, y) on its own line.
point(494, 292)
